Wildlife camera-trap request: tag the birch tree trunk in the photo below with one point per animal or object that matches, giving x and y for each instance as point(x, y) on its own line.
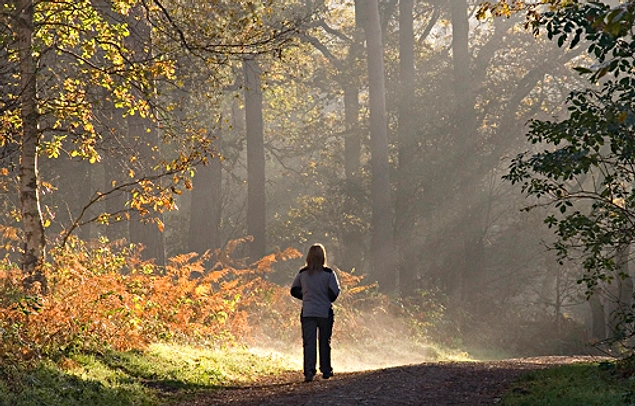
point(256, 203)
point(382, 245)
point(34, 240)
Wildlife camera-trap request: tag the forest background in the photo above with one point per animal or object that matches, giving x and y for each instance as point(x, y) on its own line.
point(166, 164)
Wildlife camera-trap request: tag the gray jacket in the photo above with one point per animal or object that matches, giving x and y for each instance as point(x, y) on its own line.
point(316, 291)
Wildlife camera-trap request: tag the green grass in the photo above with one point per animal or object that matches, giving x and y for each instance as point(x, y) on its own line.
point(157, 376)
point(603, 384)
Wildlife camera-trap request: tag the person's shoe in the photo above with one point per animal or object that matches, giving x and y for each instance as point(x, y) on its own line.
point(308, 378)
point(327, 376)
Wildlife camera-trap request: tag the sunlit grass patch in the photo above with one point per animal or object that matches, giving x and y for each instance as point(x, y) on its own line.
point(91, 384)
point(150, 377)
point(195, 365)
point(573, 385)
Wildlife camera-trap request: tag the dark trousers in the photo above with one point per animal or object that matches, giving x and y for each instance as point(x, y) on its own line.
point(311, 326)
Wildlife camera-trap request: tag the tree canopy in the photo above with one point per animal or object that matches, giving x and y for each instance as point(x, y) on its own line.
point(585, 167)
point(76, 74)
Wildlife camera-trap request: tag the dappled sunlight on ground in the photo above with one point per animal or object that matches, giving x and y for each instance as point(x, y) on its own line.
point(430, 383)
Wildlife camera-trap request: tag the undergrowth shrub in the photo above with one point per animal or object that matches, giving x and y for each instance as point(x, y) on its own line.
point(366, 321)
point(102, 295)
point(276, 314)
point(519, 330)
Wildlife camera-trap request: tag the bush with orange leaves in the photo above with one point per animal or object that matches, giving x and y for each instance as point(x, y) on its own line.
point(102, 295)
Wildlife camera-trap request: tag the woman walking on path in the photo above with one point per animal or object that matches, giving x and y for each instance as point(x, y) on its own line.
point(317, 286)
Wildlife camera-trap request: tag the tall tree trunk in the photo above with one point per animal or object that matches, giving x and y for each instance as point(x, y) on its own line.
point(465, 128)
point(256, 203)
point(146, 135)
point(382, 245)
point(620, 297)
point(407, 147)
point(205, 213)
point(353, 239)
point(34, 239)
point(76, 189)
point(464, 114)
point(142, 231)
point(113, 127)
point(598, 319)
point(352, 142)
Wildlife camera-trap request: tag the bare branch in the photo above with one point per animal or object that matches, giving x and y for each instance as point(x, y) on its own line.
point(330, 30)
point(324, 50)
point(436, 13)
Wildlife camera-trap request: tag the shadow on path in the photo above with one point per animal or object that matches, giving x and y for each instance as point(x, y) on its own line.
point(439, 383)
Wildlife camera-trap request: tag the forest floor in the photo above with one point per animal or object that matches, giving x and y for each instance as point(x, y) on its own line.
point(433, 383)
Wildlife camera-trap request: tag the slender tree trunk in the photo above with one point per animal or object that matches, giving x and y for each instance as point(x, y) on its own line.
point(113, 126)
point(465, 128)
point(598, 319)
point(464, 116)
point(141, 230)
point(205, 213)
point(144, 232)
point(146, 135)
point(620, 298)
point(34, 239)
point(352, 142)
point(407, 147)
point(382, 246)
point(76, 189)
point(207, 194)
point(256, 199)
point(353, 239)
point(119, 227)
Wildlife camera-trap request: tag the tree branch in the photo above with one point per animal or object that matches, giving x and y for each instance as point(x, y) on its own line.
point(436, 13)
point(324, 50)
point(330, 30)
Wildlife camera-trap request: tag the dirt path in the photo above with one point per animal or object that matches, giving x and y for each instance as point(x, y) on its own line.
point(439, 383)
